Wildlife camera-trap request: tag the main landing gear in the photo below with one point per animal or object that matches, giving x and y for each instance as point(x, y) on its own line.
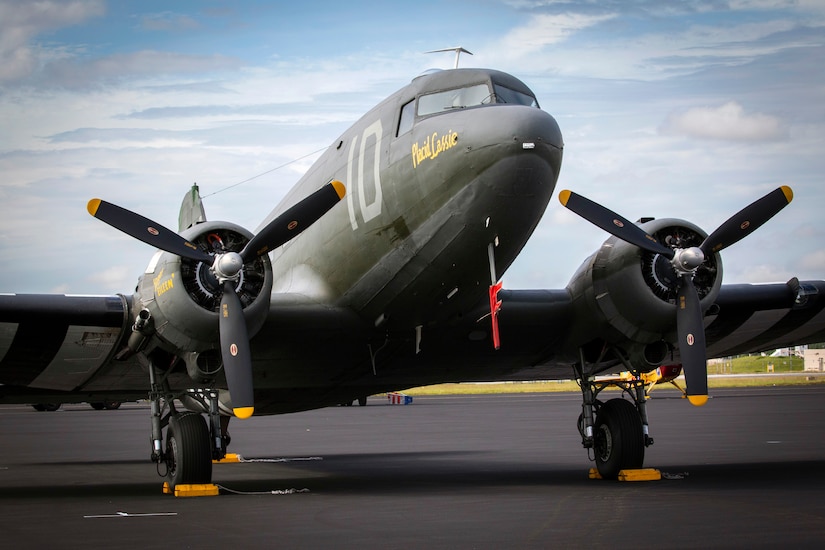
point(191, 442)
point(615, 430)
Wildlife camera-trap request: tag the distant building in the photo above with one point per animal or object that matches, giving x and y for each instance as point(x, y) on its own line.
point(797, 351)
point(815, 360)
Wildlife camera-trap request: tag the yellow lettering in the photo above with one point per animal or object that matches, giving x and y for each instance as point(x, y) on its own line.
point(162, 286)
point(432, 146)
point(157, 279)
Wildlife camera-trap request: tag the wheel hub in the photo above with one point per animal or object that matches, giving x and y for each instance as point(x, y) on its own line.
point(204, 283)
point(662, 274)
point(603, 443)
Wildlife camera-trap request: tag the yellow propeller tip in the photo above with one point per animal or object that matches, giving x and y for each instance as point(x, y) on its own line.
point(788, 193)
point(564, 196)
point(92, 206)
point(697, 400)
point(243, 412)
point(339, 188)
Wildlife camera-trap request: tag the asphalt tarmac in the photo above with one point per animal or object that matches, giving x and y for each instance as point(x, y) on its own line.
point(502, 471)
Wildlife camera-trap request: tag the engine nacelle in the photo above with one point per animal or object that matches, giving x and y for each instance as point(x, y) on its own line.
point(630, 294)
point(182, 297)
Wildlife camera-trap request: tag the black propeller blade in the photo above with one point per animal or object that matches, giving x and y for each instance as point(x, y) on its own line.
point(145, 230)
point(613, 223)
point(747, 220)
point(685, 262)
point(294, 220)
point(226, 266)
point(237, 359)
point(691, 333)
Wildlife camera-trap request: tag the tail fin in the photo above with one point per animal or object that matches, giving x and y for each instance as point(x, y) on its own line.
point(191, 209)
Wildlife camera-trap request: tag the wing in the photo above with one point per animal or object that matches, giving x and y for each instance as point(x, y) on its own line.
point(545, 330)
point(56, 343)
point(752, 318)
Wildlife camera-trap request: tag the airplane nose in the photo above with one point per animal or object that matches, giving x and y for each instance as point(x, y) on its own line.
point(508, 149)
point(509, 131)
point(538, 131)
point(516, 129)
point(532, 127)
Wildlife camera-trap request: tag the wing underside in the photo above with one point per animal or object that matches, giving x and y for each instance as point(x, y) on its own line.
point(64, 345)
point(753, 318)
point(57, 342)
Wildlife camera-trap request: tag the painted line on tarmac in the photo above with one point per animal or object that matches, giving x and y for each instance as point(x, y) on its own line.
point(120, 514)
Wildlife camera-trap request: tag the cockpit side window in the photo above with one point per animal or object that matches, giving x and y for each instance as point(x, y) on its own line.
point(405, 121)
point(509, 95)
point(459, 98)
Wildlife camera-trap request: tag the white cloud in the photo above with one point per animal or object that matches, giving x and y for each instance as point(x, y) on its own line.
point(20, 22)
point(116, 277)
point(544, 30)
point(762, 273)
point(814, 261)
point(655, 44)
point(727, 122)
point(84, 74)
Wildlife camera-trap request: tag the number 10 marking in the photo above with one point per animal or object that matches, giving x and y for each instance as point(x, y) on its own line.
point(372, 210)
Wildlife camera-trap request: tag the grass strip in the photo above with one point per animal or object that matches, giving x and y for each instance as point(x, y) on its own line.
point(569, 385)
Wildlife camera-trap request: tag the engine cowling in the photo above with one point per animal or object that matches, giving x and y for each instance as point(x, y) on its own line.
point(630, 294)
point(182, 297)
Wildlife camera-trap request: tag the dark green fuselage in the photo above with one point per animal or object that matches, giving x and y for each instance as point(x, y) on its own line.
point(409, 245)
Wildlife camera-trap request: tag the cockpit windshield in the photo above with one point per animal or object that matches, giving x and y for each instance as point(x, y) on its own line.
point(472, 96)
point(459, 98)
point(508, 95)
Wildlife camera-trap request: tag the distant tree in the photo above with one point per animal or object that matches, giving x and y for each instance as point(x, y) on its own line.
point(817, 346)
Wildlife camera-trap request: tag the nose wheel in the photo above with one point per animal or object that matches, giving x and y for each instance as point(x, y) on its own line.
point(188, 452)
point(616, 430)
point(618, 439)
point(190, 444)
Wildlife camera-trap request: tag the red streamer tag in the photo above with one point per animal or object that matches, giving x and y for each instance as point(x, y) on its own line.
point(495, 306)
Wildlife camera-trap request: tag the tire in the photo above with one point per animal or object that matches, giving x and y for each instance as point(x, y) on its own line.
point(97, 406)
point(618, 439)
point(50, 407)
point(362, 401)
point(188, 452)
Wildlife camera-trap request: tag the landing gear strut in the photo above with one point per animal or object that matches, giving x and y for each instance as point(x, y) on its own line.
point(616, 430)
point(191, 442)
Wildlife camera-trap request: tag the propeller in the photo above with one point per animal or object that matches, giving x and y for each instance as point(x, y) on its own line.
point(689, 326)
point(227, 266)
point(144, 229)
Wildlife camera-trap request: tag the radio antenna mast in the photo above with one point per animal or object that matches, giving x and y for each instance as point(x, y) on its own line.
point(457, 51)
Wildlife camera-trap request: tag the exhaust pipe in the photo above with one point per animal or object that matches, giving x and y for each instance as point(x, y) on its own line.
point(143, 328)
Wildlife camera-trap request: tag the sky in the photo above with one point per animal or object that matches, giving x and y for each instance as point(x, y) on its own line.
point(689, 109)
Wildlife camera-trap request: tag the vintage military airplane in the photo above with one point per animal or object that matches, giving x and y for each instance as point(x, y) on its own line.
point(392, 280)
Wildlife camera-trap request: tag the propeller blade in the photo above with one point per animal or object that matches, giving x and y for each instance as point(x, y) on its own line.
point(146, 230)
point(691, 332)
point(294, 220)
point(237, 358)
point(613, 223)
point(747, 220)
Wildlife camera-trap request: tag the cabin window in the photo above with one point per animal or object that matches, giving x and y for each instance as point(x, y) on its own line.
point(459, 98)
point(405, 122)
point(509, 95)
